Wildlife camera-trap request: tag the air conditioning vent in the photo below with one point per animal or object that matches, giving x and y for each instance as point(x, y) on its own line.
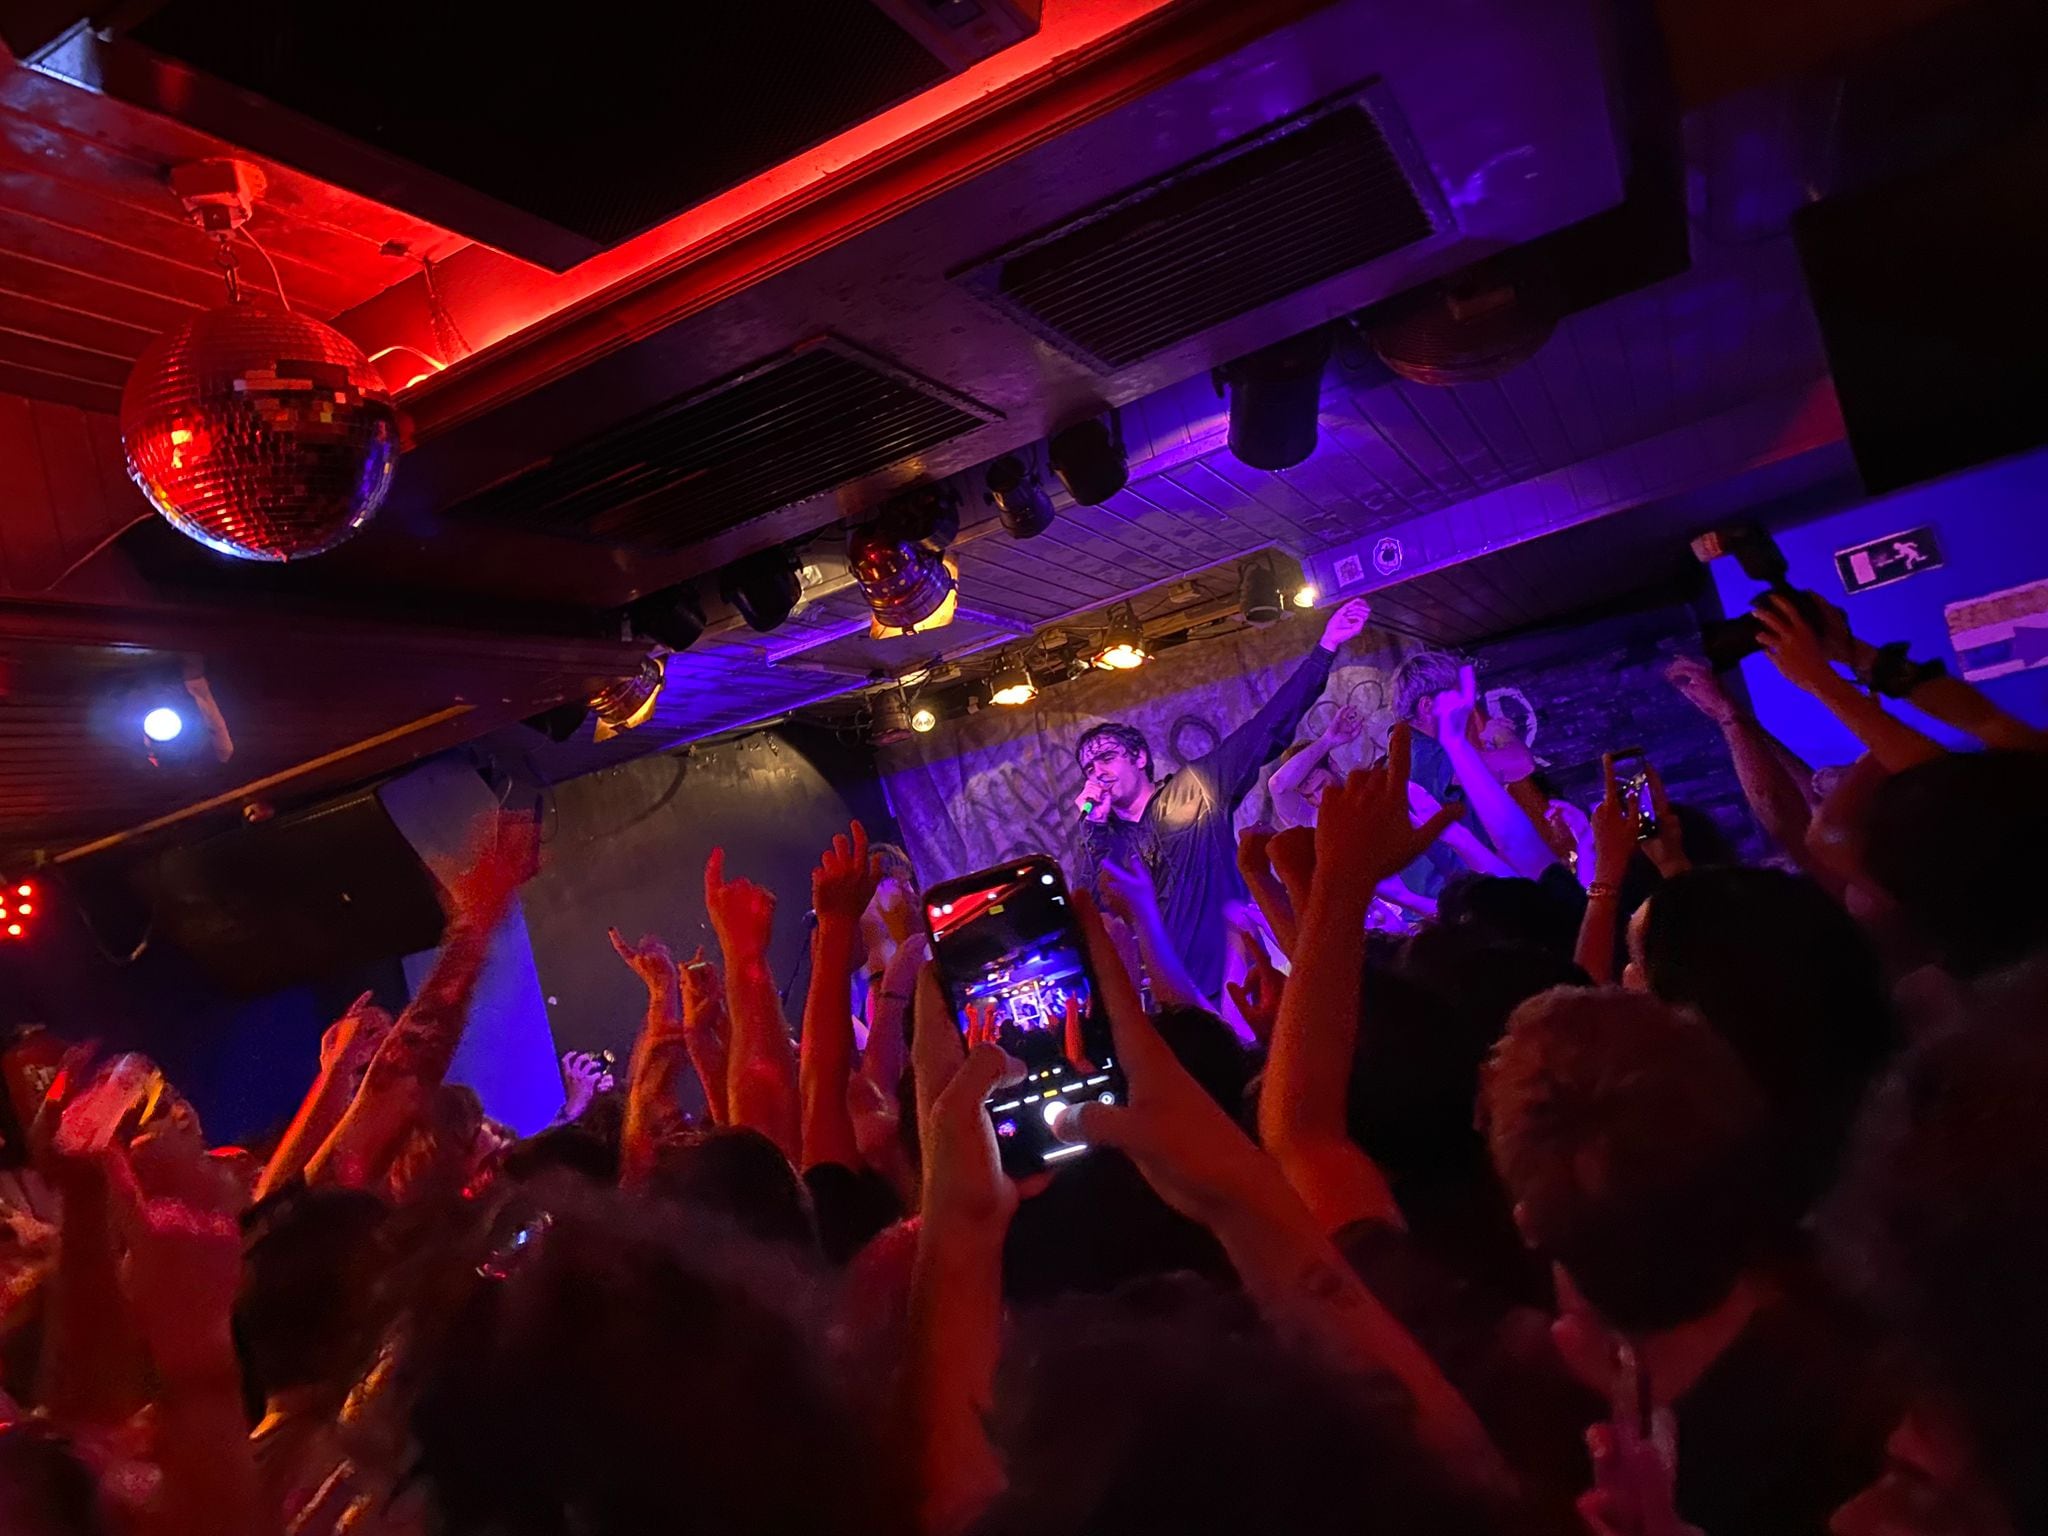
point(780, 432)
point(1306, 199)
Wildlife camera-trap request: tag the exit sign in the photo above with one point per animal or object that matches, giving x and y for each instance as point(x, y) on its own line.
point(1883, 561)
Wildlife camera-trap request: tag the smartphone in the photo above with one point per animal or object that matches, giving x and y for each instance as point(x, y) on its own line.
point(127, 1086)
point(1009, 950)
point(1632, 776)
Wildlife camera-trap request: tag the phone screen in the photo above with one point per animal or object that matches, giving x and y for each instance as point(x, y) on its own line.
point(1632, 776)
point(1010, 954)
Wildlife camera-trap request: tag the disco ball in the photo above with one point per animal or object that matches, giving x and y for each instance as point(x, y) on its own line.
point(263, 435)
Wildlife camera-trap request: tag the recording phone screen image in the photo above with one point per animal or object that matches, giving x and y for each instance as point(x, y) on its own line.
point(1010, 953)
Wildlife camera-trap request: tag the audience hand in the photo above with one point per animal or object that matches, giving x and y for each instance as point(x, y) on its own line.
point(177, 1212)
point(508, 855)
point(846, 878)
point(1344, 726)
point(1128, 893)
point(1363, 833)
point(1293, 854)
point(1504, 751)
point(1614, 828)
point(1347, 623)
point(1258, 996)
point(583, 1077)
point(1792, 644)
point(742, 913)
point(1456, 710)
point(1189, 1150)
point(650, 960)
point(1697, 684)
point(351, 1041)
point(965, 1188)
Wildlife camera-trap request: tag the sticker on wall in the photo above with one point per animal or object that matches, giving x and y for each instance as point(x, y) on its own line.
point(2002, 632)
point(1350, 571)
point(1892, 558)
point(1387, 555)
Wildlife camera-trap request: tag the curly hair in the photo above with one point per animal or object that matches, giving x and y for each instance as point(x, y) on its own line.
point(1130, 738)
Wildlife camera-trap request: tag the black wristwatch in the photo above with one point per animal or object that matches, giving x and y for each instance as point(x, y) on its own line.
point(1895, 674)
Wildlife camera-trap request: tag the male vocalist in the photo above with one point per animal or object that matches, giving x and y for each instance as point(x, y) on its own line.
point(1180, 827)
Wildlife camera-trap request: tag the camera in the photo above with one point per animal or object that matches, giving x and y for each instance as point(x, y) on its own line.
point(1727, 641)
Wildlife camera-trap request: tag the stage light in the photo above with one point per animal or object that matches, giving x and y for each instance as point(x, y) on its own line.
point(1089, 459)
point(1274, 396)
point(1011, 685)
point(923, 719)
point(898, 562)
point(672, 617)
point(1019, 499)
point(1305, 595)
point(163, 724)
point(24, 890)
point(889, 721)
point(628, 702)
point(1258, 591)
point(14, 930)
point(1123, 644)
point(763, 587)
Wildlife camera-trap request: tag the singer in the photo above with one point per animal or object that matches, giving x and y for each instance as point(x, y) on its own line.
point(1180, 827)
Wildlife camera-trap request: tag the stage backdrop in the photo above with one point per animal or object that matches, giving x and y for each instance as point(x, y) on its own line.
point(984, 788)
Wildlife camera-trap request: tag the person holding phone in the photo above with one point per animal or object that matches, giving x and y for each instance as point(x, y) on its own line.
point(1179, 828)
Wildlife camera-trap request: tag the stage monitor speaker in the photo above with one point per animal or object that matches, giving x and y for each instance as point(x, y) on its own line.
point(296, 899)
point(1932, 294)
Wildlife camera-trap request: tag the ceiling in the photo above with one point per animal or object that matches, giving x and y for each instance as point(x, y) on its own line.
point(491, 585)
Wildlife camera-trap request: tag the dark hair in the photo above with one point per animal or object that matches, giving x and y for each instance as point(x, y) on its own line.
point(1098, 1226)
point(565, 1148)
point(1509, 909)
point(1420, 678)
point(1131, 739)
point(307, 1309)
point(1630, 1139)
point(1942, 1215)
point(1195, 1420)
point(1960, 843)
point(636, 1366)
point(742, 1176)
point(1788, 978)
point(45, 1490)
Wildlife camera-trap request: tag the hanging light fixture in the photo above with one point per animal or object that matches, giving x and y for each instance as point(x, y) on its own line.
point(1123, 644)
point(889, 722)
point(1089, 458)
point(1019, 499)
point(261, 433)
point(924, 718)
point(899, 565)
point(626, 703)
point(1011, 685)
point(763, 587)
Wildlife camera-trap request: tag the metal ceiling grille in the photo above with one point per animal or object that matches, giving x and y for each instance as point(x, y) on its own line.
point(1309, 198)
point(779, 433)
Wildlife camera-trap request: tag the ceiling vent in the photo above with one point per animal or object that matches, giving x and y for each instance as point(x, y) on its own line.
point(787, 429)
point(1302, 201)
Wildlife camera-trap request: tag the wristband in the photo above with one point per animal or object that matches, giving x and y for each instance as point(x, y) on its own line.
point(1602, 890)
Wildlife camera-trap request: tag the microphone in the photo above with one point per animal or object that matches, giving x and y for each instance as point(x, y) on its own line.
point(1087, 807)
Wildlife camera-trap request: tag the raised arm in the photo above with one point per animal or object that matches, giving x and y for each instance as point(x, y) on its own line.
point(416, 1055)
point(1764, 766)
point(1197, 1159)
point(1128, 893)
point(1362, 837)
point(841, 887)
point(346, 1050)
point(1255, 864)
point(1284, 783)
point(654, 1113)
point(1235, 762)
point(956, 1291)
point(1513, 834)
point(1796, 650)
point(761, 1076)
point(1614, 844)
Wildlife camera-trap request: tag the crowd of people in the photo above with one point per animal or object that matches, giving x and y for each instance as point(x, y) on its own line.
point(1618, 1188)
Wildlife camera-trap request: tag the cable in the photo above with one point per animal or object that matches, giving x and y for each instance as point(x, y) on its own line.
point(275, 281)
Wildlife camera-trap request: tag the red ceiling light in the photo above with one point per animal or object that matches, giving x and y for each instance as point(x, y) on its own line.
point(16, 906)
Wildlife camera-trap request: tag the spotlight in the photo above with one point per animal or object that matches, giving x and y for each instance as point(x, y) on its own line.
point(626, 703)
point(163, 724)
point(1019, 499)
point(11, 920)
point(763, 587)
point(1274, 396)
point(1305, 595)
point(1123, 644)
point(890, 720)
point(924, 718)
point(1258, 592)
point(672, 617)
point(898, 563)
point(1089, 459)
point(1011, 685)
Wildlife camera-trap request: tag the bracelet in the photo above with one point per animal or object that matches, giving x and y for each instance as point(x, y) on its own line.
point(1602, 890)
